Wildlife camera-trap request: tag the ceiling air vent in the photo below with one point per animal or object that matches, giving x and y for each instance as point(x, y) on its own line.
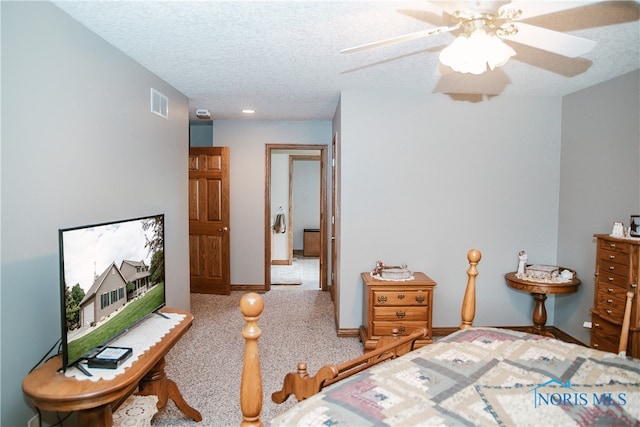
point(159, 104)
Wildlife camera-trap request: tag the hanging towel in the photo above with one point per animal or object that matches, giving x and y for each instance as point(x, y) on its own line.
point(280, 224)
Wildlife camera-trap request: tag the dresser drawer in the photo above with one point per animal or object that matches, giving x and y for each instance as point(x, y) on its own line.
point(617, 293)
point(609, 280)
point(605, 335)
point(405, 328)
point(400, 297)
point(610, 306)
point(610, 268)
point(399, 313)
point(603, 343)
point(614, 246)
point(614, 256)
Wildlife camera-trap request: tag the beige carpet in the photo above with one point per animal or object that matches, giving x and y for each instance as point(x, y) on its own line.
point(297, 325)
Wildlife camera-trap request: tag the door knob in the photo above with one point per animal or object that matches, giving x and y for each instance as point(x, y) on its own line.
point(223, 229)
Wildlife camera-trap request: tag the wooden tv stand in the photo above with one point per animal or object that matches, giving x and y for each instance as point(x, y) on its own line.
point(50, 390)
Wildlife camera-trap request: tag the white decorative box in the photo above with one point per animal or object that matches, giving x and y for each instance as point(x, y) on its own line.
point(540, 271)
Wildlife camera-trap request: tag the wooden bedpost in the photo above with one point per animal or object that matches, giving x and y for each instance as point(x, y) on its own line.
point(469, 302)
point(251, 306)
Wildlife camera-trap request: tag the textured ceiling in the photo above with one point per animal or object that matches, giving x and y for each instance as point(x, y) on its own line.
point(282, 58)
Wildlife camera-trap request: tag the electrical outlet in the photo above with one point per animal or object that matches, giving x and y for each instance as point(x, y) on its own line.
point(586, 325)
point(34, 421)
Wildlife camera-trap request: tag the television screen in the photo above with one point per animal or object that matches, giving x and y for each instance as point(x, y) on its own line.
point(112, 277)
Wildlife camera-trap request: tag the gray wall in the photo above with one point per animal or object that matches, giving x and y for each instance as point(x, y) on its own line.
point(423, 179)
point(306, 199)
point(79, 146)
point(599, 182)
point(246, 140)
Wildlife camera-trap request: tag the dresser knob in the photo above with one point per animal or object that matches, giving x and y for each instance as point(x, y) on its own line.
point(400, 296)
point(609, 312)
point(401, 329)
point(610, 279)
point(610, 301)
point(382, 299)
point(613, 245)
point(612, 257)
point(609, 289)
point(400, 314)
point(595, 345)
point(612, 268)
point(596, 325)
point(420, 299)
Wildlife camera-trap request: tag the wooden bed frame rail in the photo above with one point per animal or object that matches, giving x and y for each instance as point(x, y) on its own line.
point(302, 386)
point(299, 383)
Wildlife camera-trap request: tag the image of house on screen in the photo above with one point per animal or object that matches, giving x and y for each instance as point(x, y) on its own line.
point(112, 289)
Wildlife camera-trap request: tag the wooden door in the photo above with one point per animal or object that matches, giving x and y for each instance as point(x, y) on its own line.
point(209, 242)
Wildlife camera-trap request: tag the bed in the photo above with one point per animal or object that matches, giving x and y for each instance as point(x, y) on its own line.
point(475, 376)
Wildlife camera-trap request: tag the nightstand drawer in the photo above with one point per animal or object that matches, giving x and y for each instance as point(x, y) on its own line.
point(400, 297)
point(382, 329)
point(399, 313)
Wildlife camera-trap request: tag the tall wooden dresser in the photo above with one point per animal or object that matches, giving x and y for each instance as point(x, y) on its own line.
point(617, 271)
point(405, 305)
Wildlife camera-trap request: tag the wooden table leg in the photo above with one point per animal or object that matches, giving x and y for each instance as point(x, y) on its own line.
point(156, 382)
point(100, 416)
point(540, 316)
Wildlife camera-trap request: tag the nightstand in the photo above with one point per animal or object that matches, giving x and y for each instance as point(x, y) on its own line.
point(405, 305)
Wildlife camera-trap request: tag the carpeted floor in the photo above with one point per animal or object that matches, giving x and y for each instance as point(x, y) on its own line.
point(297, 325)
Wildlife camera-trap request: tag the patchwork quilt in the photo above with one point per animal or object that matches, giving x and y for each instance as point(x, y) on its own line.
point(483, 377)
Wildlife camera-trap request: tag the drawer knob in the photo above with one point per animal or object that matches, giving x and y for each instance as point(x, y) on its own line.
point(400, 296)
point(610, 301)
point(634, 285)
point(420, 299)
point(596, 325)
point(610, 279)
point(612, 257)
point(382, 299)
point(612, 268)
point(595, 345)
point(609, 289)
point(401, 329)
point(613, 245)
point(609, 312)
point(400, 314)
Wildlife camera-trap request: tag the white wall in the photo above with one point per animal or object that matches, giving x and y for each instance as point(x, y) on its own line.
point(246, 140)
point(79, 146)
point(600, 183)
point(280, 199)
point(306, 199)
point(423, 179)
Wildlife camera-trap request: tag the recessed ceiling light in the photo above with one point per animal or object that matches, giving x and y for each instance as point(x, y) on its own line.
point(248, 111)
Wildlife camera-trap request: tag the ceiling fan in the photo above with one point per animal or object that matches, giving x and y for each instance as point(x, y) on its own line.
point(482, 25)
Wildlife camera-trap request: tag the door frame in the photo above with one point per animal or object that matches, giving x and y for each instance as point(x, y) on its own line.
point(323, 208)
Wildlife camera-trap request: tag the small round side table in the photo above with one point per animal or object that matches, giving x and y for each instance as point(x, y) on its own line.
point(539, 291)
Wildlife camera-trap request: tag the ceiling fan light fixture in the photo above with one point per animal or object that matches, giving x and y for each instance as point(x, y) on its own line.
point(473, 53)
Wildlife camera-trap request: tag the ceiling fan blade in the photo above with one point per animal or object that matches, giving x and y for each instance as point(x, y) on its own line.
point(549, 40)
point(406, 37)
point(530, 9)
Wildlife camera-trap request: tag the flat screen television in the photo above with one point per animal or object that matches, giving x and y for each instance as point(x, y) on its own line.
point(111, 278)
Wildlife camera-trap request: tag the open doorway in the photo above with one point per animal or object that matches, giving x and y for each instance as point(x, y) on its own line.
point(295, 216)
